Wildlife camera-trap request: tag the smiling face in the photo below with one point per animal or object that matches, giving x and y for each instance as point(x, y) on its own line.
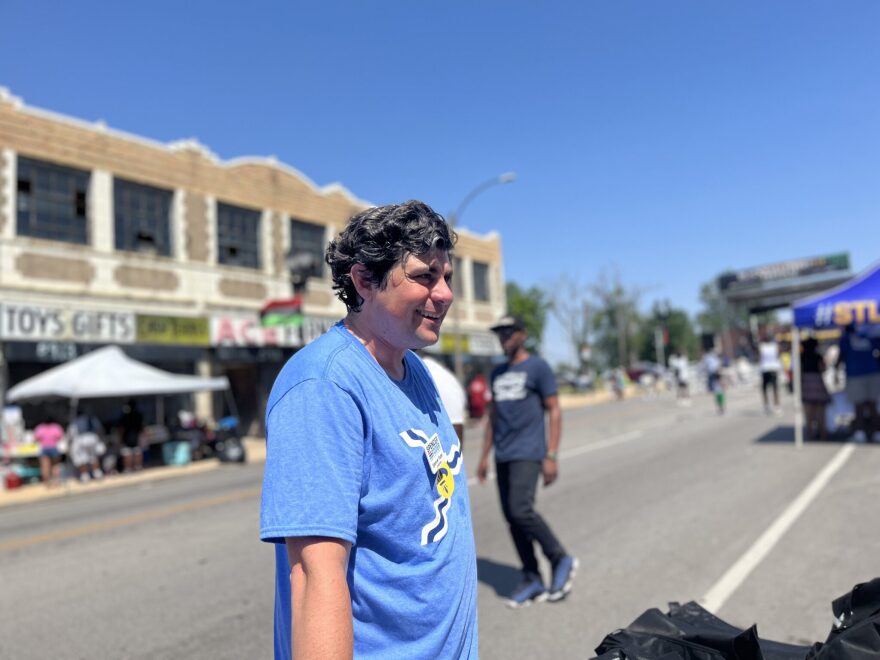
point(408, 311)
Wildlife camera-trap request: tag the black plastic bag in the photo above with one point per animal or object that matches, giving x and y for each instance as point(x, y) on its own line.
point(856, 631)
point(689, 632)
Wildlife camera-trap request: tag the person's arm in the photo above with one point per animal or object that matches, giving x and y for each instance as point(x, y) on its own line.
point(483, 466)
point(551, 460)
point(840, 362)
point(459, 431)
point(321, 625)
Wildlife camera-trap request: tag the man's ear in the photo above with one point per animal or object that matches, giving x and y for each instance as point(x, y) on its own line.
point(360, 277)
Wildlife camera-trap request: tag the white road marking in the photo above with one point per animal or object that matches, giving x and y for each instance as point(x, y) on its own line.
point(595, 446)
point(736, 574)
point(603, 444)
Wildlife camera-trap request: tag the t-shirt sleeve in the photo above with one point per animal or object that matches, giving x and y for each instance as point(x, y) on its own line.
point(456, 398)
point(546, 381)
point(314, 464)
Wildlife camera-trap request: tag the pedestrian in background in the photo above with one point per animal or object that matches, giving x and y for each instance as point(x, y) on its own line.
point(523, 393)
point(814, 394)
point(87, 445)
point(48, 435)
point(678, 362)
point(770, 365)
point(618, 383)
point(364, 493)
point(478, 396)
point(860, 357)
point(714, 381)
point(130, 425)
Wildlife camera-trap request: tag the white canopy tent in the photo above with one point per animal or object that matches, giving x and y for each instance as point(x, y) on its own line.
point(108, 372)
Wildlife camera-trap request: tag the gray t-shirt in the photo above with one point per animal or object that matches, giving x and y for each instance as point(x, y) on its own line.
point(518, 393)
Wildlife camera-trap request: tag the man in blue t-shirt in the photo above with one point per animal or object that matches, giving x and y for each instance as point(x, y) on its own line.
point(523, 390)
point(364, 493)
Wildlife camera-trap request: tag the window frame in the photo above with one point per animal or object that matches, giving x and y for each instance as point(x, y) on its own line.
point(318, 270)
point(476, 266)
point(457, 277)
point(43, 210)
point(241, 216)
point(128, 229)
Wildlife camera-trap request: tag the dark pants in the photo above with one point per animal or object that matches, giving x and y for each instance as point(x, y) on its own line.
point(517, 481)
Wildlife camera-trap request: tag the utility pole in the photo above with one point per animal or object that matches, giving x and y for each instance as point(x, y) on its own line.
point(658, 345)
point(453, 219)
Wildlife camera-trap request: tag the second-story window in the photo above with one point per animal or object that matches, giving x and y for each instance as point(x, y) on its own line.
point(143, 217)
point(310, 238)
point(457, 277)
point(238, 236)
point(481, 281)
point(52, 201)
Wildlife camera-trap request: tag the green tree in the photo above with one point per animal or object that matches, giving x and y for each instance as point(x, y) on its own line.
point(616, 319)
point(717, 316)
point(571, 307)
point(531, 305)
point(677, 328)
point(712, 317)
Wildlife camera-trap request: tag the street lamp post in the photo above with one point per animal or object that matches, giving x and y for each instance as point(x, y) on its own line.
point(453, 219)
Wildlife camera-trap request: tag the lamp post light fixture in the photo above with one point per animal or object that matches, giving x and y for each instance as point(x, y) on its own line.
point(454, 218)
point(300, 265)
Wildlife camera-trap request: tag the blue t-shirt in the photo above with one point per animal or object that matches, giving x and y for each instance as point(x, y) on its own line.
point(859, 354)
point(347, 459)
point(518, 394)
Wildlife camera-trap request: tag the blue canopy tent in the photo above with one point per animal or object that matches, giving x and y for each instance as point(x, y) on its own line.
point(856, 301)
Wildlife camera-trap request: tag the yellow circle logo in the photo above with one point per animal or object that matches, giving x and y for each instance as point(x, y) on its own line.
point(445, 481)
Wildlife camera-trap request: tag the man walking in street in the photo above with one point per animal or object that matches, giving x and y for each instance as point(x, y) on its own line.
point(523, 391)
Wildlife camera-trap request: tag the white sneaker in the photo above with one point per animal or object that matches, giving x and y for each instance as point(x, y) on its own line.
point(777, 412)
point(859, 436)
point(84, 477)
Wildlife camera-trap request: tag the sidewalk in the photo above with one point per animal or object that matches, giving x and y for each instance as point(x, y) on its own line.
point(37, 492)
point(256, 453)
point(568, 401)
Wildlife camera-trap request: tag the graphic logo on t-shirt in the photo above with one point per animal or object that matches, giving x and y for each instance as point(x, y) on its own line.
point(510, 386)
point(445, 481)
point(444, 468)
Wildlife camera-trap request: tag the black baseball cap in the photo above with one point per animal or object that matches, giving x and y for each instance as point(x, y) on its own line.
point(509, 321)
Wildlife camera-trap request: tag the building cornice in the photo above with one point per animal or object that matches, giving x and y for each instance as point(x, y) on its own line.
point(191, 145)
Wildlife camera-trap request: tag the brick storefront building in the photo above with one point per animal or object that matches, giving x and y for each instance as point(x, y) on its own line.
point(169, 252)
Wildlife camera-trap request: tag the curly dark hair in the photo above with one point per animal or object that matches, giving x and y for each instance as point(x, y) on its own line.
point(381, 237)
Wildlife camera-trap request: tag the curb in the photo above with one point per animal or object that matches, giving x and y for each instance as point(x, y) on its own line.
point(569, 401)
point(38, 492)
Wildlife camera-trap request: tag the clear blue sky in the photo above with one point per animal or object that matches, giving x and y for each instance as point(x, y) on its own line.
point(671, 139)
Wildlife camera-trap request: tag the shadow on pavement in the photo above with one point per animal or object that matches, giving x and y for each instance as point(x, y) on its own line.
point(501, 577)
point(785, 434)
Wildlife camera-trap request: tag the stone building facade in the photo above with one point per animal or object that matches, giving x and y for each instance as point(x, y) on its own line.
point(171, 253)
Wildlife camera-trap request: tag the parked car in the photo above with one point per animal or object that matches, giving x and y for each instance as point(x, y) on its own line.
point(639, 369)
point(579, 382)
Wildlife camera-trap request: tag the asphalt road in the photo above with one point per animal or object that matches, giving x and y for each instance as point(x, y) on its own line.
point(660, 503)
